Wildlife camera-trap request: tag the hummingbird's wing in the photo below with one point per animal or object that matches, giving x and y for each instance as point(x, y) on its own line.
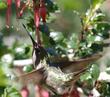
point(76, 65)
point(76, 76)
point(80, 64)
point(36, 76)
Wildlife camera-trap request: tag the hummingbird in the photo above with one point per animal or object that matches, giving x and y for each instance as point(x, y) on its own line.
point(68, 66)
point(58, 73)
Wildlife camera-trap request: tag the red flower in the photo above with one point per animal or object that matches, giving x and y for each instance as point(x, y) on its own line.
point(36, 17)
point(23, 8)
point(9, 2)
point(8, 13)
point(40, 92)
point(17, 2)
point(37, 20)
point(25, 92)
point(43, 10)
point(74, 93)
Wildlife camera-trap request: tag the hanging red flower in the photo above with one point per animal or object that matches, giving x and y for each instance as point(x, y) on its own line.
point(40, 92)
point(23, 8)
point(36, 16)
point(8, 13)
point(43, 10)
point(25, 92)
point(37, 20)
point(17, 2)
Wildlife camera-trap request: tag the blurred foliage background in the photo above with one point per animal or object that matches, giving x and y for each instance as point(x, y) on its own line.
point(65, 27)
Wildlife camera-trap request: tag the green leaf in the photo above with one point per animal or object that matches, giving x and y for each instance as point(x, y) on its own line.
point(45, 40)
point(96, 2)
point(3, 78)
point(28, 68)
point(11, 92)
point(96, 47)
point(108, 70)
point(57, 36)
point(102, 26)
point(94, 70)
point(86, 76)
point(99, 17)
point(73, 41)
point(1, 90)
point(2, 5)
point(103, 29)
point(21, 52)
point(90, 38)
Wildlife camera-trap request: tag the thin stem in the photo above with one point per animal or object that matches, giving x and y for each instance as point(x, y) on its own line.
point(38, 36)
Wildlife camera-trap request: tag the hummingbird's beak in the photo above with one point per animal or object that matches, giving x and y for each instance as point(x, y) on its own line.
point(35, 44)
